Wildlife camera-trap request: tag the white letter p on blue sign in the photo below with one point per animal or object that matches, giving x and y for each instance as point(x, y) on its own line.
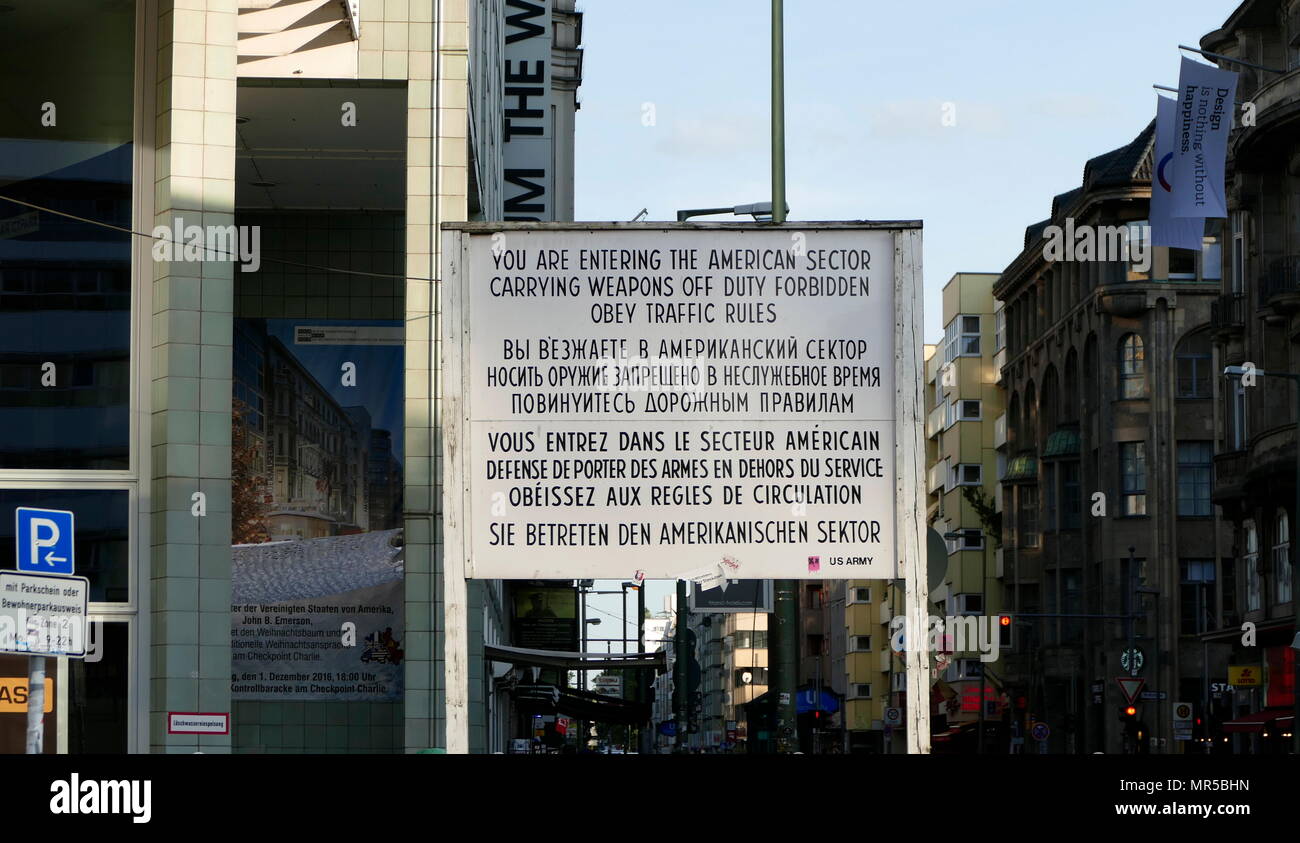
point(44, 539)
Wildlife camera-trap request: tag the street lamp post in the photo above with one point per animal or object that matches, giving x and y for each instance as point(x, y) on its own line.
point(1242, 372)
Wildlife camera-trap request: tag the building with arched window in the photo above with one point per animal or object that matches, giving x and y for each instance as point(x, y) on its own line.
point(1110, 540)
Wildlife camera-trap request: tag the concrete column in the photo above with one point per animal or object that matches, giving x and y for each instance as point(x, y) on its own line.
point(192, 307)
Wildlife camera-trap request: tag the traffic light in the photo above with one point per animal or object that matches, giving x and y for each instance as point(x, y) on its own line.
point(1004, 631)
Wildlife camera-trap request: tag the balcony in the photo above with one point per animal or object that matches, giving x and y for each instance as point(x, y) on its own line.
point(1229, 476)
point(1228, 316)
point(1000, 430)
point(935, 477)
point(1279, 285)
point(934, 421)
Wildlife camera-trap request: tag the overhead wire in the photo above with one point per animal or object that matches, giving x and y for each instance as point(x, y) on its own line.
point(214, 251)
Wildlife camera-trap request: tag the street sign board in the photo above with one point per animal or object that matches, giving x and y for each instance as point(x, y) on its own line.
point(668, 398)
point(611, 685)
point(1153, 695)
point(1130, 686)
point(43, 615)
point(1244, 675)
point(198, 723)
point(893, 716)
point(1040, 731)
point(737, 596)
point(13, 694)
point(44, 539)
point(1182, 718)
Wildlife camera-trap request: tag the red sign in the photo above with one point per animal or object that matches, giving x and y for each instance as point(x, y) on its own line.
point(1281, 677)
point(970, 697)
point(562, 725)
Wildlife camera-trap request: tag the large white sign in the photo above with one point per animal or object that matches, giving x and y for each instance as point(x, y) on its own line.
point(43, 615)
point(672, 400)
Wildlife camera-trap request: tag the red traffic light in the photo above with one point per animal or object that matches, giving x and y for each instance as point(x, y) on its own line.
point(1004, 620)
point(1131, 711)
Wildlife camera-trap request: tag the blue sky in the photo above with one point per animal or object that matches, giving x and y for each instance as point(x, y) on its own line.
point(1039, 87)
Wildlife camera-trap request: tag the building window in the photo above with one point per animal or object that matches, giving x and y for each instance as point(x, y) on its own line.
point(745, 639)
point(1071, 496)
point(1132, 368)
point(962, 338)
point(969, 410)
point(101, 544)
point(1133, 478)
point(968, 474)
point(1194, 362)
point(1138, 244)
point(970, 604)
point(1028, 516)
point(1000, 330)
point(1282, 558)
point(862, 690)
point(1251, 563)
point(967, 539)
point(860, 594)
point(861, 643)
point(1049, 497)
point(1237, 417)
point(65, 281)
point(1238, 268)
point(1212, 251)
point(1196, 595)
point(1194, 479)
point(1182, 264)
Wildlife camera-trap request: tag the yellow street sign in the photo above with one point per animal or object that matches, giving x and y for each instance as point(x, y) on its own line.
point(1244, 675)
point(13, 694)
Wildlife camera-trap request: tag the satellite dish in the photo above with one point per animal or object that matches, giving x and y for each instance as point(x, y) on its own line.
point(936, 558)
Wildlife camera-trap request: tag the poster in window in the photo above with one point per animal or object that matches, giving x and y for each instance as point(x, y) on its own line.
point(317, 566)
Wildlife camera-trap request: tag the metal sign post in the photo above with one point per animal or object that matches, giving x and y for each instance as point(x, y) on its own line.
point(45, 607)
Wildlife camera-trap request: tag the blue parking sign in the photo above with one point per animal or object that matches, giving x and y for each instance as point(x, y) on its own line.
point(44, 539)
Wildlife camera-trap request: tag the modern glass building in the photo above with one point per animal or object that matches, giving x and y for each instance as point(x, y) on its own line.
point(218, 348)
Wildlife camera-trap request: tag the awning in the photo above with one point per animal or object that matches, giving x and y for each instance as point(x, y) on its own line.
point(574, 661)
point(1062, 443)
point(1021, 468)
point(808, 701)
point(1259, 720)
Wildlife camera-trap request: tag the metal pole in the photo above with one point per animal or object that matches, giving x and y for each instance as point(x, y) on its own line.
point(644, 675)
point(1295, 581)
point(582, 649)
point(984, 601)
point(785, 661)
point(35, 705)
point(778, 112)
point(680, 673)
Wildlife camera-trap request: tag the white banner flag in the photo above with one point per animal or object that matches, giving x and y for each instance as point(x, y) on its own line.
point(1205, 105)
point(1166, 229)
